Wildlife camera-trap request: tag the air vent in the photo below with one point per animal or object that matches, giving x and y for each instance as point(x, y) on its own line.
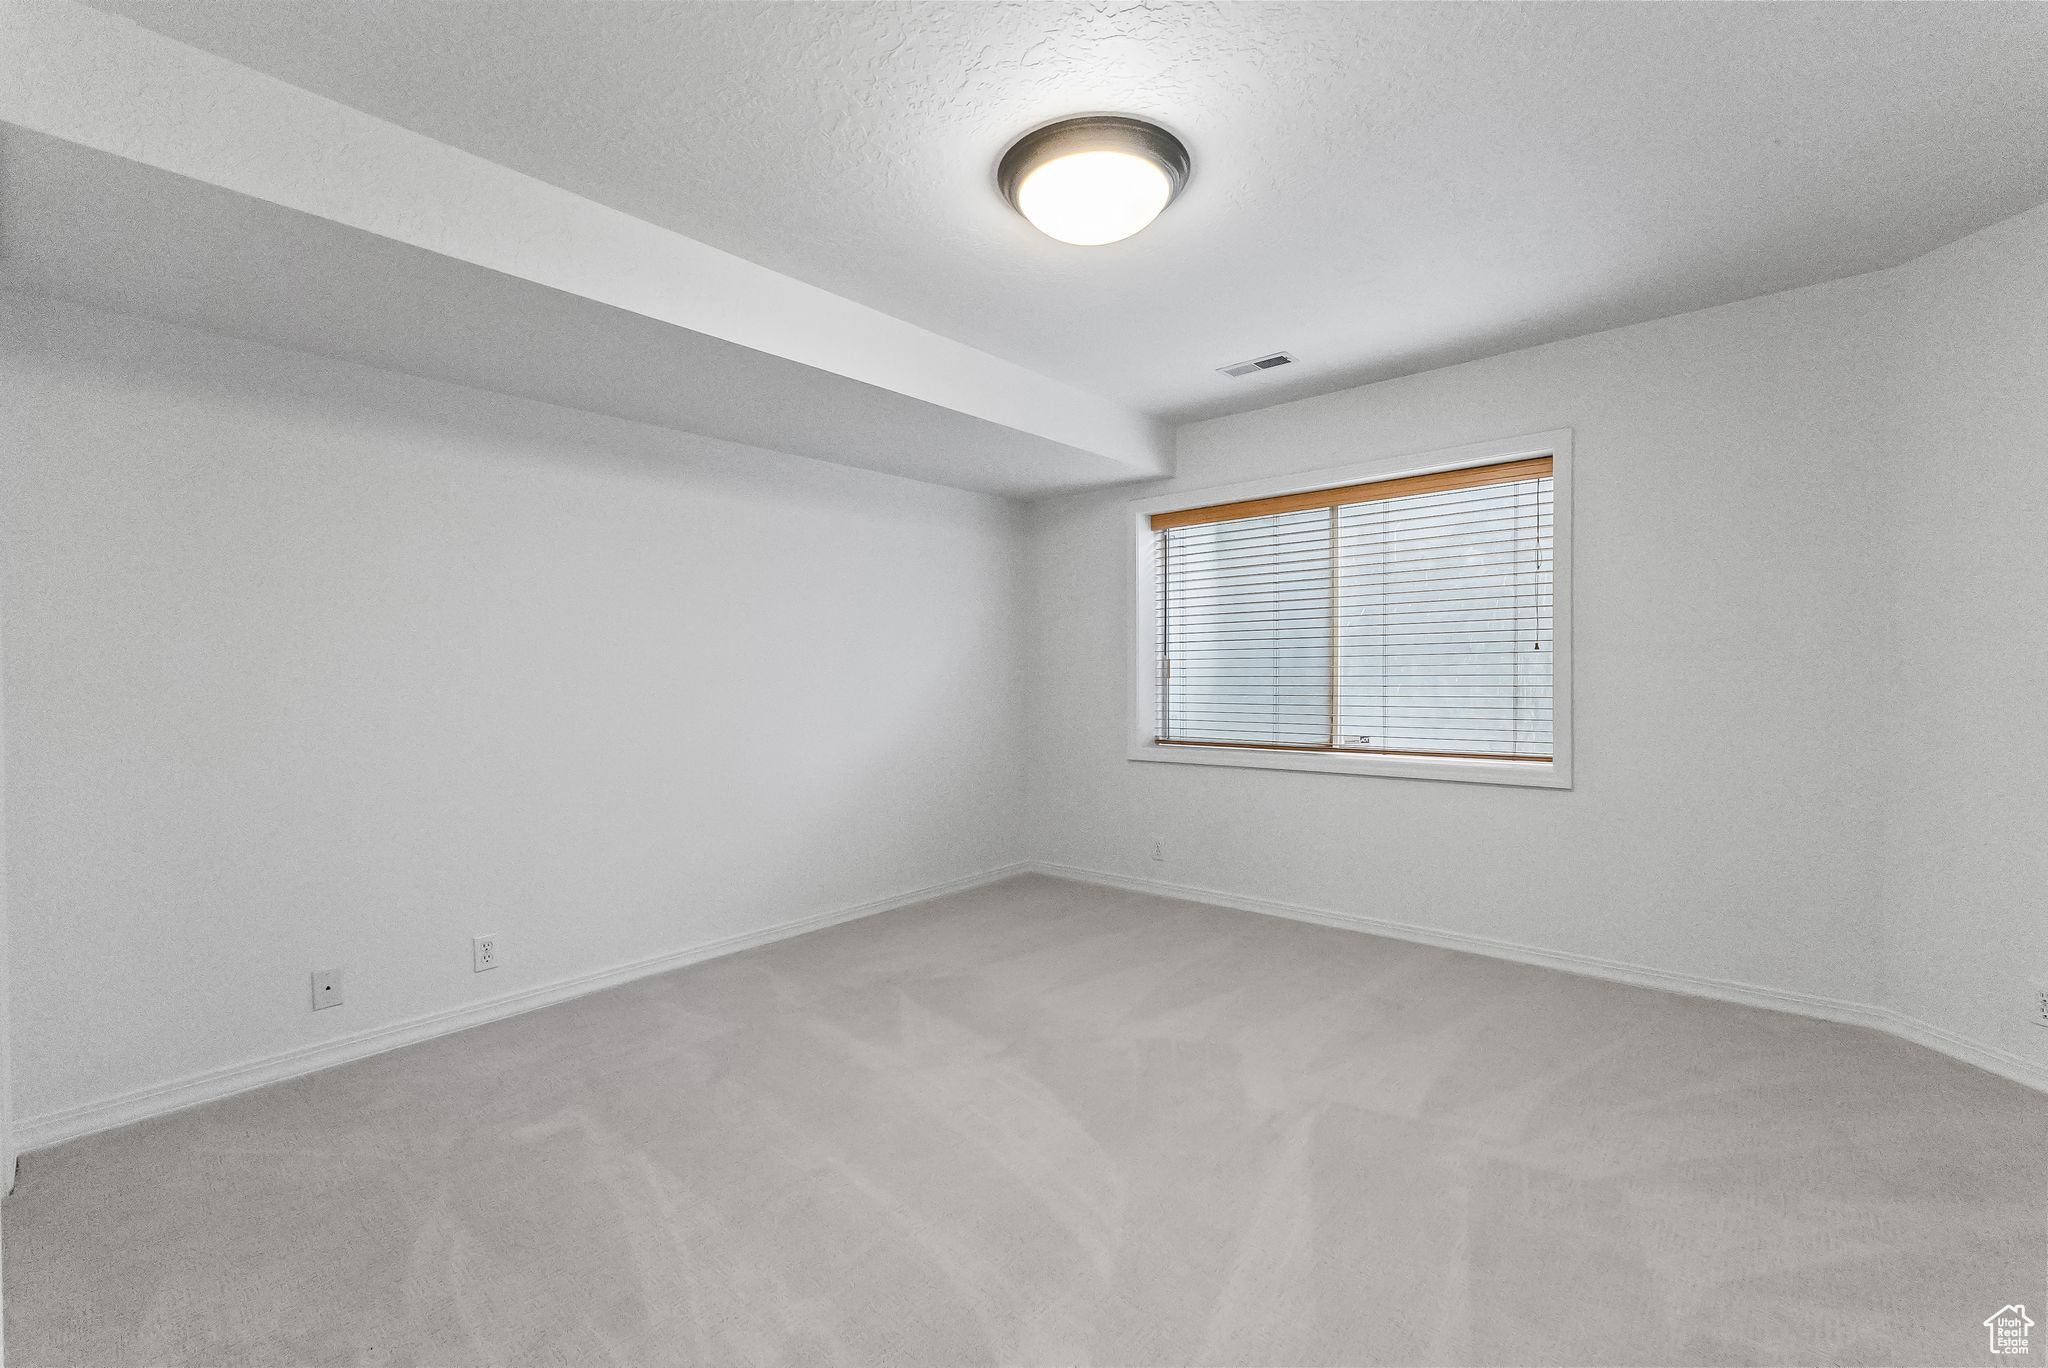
point(1259, 363)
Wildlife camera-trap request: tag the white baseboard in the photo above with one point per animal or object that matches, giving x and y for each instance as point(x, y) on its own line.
point(39, 1132)
point(52, 1128)
point(1987, 1057)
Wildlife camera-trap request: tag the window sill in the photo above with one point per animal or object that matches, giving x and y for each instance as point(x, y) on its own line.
point(1514, 773)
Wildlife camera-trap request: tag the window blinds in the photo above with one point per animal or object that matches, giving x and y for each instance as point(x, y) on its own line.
point(1404, 617)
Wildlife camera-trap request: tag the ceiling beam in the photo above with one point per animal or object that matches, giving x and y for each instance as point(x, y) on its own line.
point(82, 76)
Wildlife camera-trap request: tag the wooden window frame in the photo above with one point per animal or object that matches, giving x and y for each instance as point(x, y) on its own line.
point(1452, 468)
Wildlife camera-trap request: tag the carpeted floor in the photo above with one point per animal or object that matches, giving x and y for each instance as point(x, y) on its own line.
point(1044, 1123)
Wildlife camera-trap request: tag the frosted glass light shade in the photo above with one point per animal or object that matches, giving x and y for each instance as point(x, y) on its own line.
point(1089, 198)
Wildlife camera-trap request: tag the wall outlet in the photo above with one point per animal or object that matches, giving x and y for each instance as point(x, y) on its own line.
point(485, 948)
point(1158, 849)
point(326, 988)
point(2037, 1002)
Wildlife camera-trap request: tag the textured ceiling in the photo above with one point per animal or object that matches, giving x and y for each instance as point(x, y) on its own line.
point(1377, 188)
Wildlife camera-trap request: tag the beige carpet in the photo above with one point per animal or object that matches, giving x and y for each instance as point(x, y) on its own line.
point(1049, 1124)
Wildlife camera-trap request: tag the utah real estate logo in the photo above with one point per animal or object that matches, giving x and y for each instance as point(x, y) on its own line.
point(2008, 1329)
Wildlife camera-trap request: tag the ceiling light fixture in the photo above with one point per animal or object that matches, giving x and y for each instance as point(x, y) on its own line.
point(1095, 179)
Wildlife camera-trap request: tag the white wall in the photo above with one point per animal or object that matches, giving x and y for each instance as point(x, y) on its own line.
point(1810, 638)
point(311, 665)
point(7, 1156)
point(1725, 818)
point(308, 665)
point(1966, 843)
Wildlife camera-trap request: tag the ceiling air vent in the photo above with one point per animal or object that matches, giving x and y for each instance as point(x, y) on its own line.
point(1259, 363)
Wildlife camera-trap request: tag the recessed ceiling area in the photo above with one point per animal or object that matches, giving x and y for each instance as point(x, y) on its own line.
point(1379, 188)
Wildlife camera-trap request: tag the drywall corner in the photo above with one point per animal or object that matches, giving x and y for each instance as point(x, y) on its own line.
point(1965, 474)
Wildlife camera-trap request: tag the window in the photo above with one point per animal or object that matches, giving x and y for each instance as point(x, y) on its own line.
point(1402, 623)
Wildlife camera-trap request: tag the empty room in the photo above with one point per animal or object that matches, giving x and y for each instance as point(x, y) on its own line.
point(931, 684)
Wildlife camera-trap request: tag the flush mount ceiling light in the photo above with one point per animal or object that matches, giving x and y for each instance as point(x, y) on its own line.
point(1095, 179)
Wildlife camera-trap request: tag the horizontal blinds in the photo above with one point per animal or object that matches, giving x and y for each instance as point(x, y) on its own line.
point(1402, 618)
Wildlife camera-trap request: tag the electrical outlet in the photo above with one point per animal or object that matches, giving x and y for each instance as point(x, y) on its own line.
point(485, 948)
point(2037, 1003)
point(326, 988)
point(1158, 850)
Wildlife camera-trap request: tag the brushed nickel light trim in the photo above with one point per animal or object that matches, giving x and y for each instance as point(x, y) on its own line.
point(1112, 133)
